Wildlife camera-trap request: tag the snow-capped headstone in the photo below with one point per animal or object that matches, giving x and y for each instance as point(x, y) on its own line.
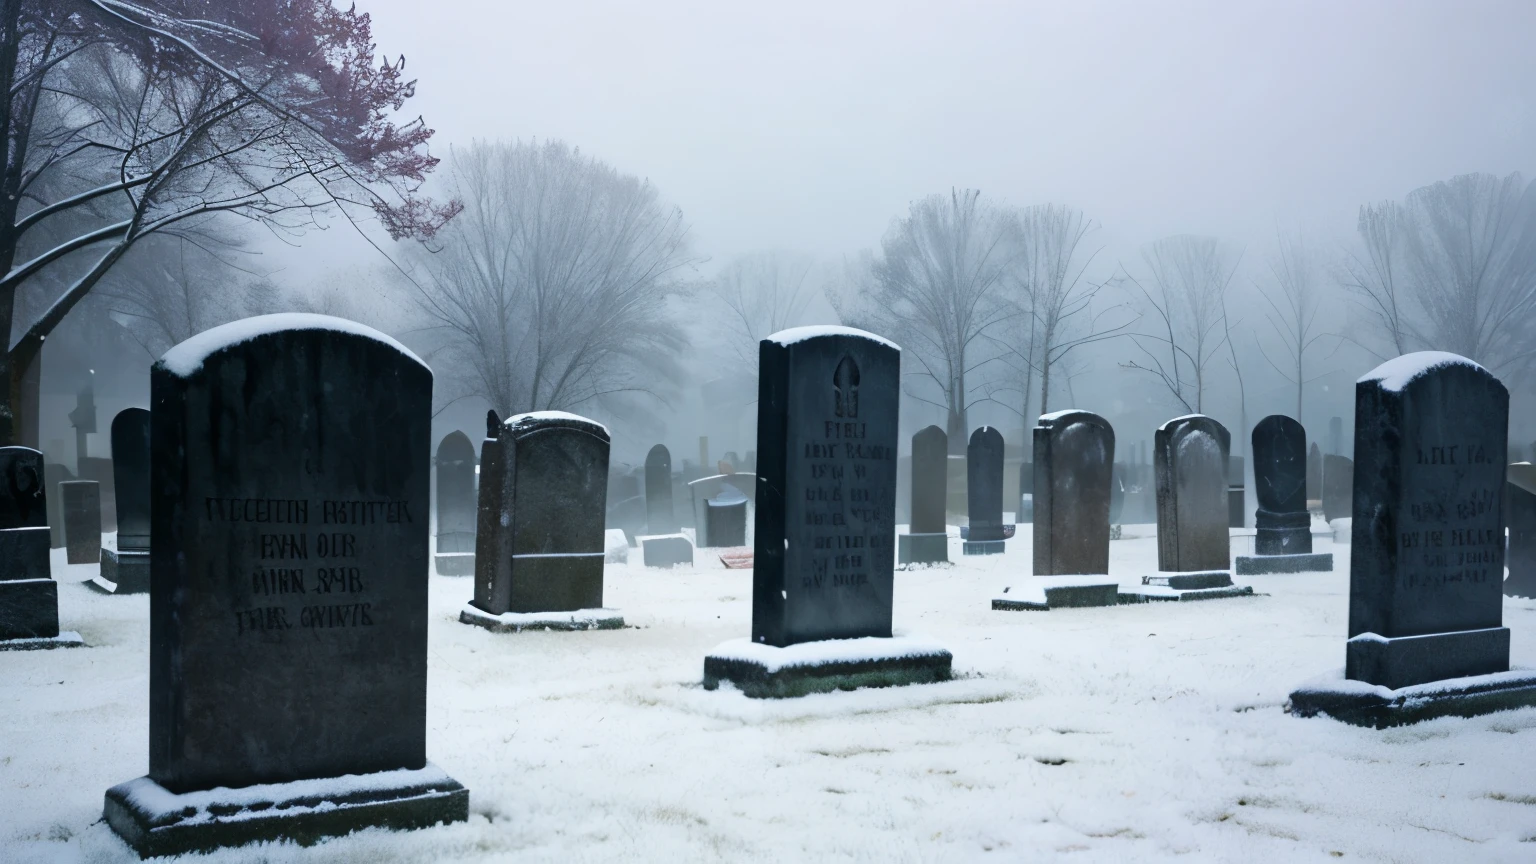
point(288, 599)
point(927, 540)
point(545, 546)
point(82, 521)
point(984, 492)
point(1283, 540)
point(722, 504)
point(660, 516)
point(456, 505)
point(29, 598)
point(1520, 516)
point(1338, 487)
point(125, 570)
point(1427, 550)
point(828, 400)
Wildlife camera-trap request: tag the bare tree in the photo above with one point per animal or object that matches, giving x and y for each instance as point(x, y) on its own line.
point(1189, 278)
point(935, 289)
point(1294, 299)
point(1375, 274)
point(170, 288)
point(551, 286)
point(762, 293)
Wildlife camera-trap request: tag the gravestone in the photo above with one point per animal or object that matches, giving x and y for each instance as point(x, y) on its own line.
point(660, 517)
point(29, 598)
point(721, 507)
point(543, 544)
point(824, 540)
point(125, 570)
point(1314, 473)
point(456, 506)
point(667, 550)
point(82, 521)
point(1520, 515)
point(927, 540)
point(984, 493)
point(1335, 439)
point(1074, 455)
point(1427, 551)
point(1283, 540)
point(55, 473)
point(1338, 487)
point(288, 598)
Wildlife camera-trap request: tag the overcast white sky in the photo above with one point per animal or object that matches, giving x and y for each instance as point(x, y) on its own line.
point(809, 125)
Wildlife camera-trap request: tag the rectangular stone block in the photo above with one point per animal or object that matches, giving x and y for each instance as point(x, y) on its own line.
point(670, 551)
point(29, 609)
point(123, 572)
point(922, 548)
point(1261, 565)
point(82, 520)
point(1407, 660)
point(24, 553)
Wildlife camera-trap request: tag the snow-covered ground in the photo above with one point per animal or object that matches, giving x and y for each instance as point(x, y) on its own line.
point(1132, 733)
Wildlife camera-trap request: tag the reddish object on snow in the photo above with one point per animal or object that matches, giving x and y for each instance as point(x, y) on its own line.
point(737, 558)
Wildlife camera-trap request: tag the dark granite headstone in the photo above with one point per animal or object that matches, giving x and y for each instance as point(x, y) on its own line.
point(927, 540)
point(29, 598)
point(125, 570)
point(1074, 458)
point(660, 517)
point(82, 520)
point(1280, 477)
point(1427, 553)
point(826, 494)
point(984, 492)
point(288, 609)
point(549, 534)
point(1191, 460)
point(1338, 487)
point(1520, 515)
point(721, 506)
point(456, 505)
point(1314, 473)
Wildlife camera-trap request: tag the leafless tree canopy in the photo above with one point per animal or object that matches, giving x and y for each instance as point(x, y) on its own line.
point(761, 293)
point(551, 286)
point(1184, 292)
point(1293, 294)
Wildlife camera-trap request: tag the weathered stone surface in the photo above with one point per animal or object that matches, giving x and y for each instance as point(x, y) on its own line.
point(1520, 516)
point(660, 517)
point(547, 544)
point(456, 504)
point(1309, 562)
point(1427, 549)
point(930, 472)
point(1284, 527)
point(761, 674)
point(1191, 458)
point(1348, 702)
point(53, 474)
point(130, 468)
point(984, 485)
point(29, 598)
point(1074, 458)
point(1338, 487)
point(670, 550)
point(82, 520)
point(825, 534)
point(722, 506)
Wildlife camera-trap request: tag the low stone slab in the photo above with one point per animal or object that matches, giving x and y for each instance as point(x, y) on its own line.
point(1261, 565)
point(455, 563)
point(1044, 593)
point(767, 672)
point(67, 639)
point(29, 609)
point(517, 622)
point(982, 547)
point(155, 821)
point(122, 573)
point(667, 550)
point(1190, 581)
point(1362, 704)
point(1183, 587)
point(922, 548)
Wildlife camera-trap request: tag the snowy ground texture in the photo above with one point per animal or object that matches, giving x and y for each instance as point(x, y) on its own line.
point(1131, 733)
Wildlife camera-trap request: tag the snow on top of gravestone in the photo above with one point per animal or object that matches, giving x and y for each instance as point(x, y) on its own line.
point(1397, 373)
point(543, 416)
point(1057, 415)
point(800, 334)
point(188, 357)
point(1177, 419)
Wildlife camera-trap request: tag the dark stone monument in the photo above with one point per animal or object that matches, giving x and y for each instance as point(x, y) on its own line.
point(1427, 552)
point(540, 552)
point(82, 521)
point(288, 599)
point(825, 533)
point(927, 540)
point(1314, 474)
point(456, 506)
point(660, 517)
point(1284, 526)
point(984, 493)
point(721, 507)
point(1074, 455)
point(1520, 516)
point(29, 598)
point(1338, 487)
point(125, 570)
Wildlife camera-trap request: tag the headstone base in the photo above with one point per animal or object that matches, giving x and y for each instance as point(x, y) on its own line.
point(67, 639)
point(155, 821)
point(1179, 587)
point(29, 609)
point(1044, 593)
point(1409, 660)
point(455, 563)
point(983, 547)
point(922, 548)
point(517, 622)
point(122, 572)
point(1362, 704)
point(25, 552)
point(1259, 565)
point(766, 672)
point(667, 550)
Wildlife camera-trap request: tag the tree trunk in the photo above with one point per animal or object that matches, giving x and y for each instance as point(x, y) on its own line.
point(20, 394)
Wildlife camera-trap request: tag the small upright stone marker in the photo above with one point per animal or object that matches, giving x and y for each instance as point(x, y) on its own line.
point(82, 521)
point(125, 570)
point(1427, 552)
point(660, 516)
point(722, 504)
point(1284, 538)
point(824, 541)
point(1338, 487)
point(984, 493)
point(927, 540)
point(1074, 470)
point(456, 506)
point(29, 598)
point(288, 598)
point(540, 559)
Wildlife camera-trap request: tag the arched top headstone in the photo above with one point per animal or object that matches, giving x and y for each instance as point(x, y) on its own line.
point(1191, 466)
point(492, 424)
point(1074, 453)
point(930, 479)
point(1280, 464)
point(130, 474)
point(522, 425)
point(23, 503)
